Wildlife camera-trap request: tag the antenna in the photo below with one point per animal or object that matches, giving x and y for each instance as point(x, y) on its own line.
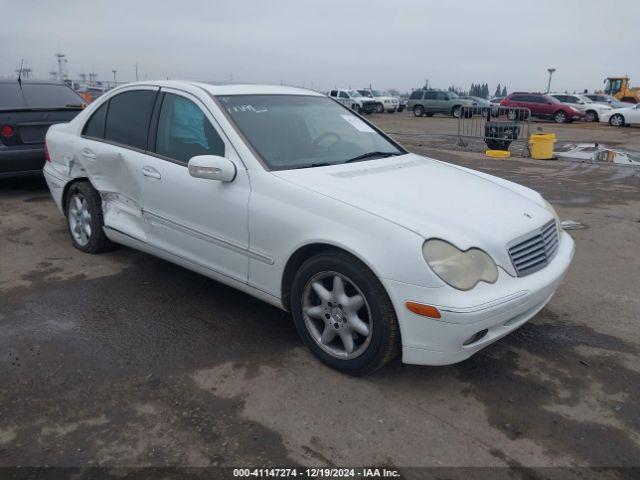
point(20, 71)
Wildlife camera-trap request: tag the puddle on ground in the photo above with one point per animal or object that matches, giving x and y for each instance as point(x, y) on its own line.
point(594, 152)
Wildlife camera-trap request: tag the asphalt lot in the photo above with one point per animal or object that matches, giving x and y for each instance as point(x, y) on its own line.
point(125, 359)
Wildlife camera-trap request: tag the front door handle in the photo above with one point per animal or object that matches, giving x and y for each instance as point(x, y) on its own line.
point(151, 172)
point(88, 153)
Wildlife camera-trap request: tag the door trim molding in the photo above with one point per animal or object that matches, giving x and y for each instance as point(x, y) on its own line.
point(234, 247)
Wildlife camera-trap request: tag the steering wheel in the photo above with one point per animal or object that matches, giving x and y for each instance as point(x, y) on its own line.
point(324, 136)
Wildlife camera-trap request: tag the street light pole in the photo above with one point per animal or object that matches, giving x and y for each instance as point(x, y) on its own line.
point(550, 70)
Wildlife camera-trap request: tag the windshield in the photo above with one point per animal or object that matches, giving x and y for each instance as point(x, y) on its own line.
point(295, 131)
point(365, 93)
point(353, 93)
point(452, 94)
point(377, 93)
point(585, 99)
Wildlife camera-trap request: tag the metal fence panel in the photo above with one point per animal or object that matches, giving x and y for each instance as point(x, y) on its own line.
point(499, 127)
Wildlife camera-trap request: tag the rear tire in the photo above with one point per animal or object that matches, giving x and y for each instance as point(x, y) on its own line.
point(418, 110)
point(374, 339)
point(379, 108)
point(591, 116)
point(356, 108)
point(85, 219)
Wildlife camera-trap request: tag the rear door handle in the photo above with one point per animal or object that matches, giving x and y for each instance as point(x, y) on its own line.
point(88, 153)
point(151, 172)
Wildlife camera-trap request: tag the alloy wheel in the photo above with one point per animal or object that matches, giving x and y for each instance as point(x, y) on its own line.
point(80, 219)
point(337, 315)
point(617, 120)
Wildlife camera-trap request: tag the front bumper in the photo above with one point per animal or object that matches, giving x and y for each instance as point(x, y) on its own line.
point(499, 309)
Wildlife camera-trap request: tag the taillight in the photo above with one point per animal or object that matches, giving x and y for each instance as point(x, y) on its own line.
point(7, 131)
point(47, 157)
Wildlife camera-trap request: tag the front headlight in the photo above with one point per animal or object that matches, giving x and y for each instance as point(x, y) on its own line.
point(553, 212)
point(461, 270)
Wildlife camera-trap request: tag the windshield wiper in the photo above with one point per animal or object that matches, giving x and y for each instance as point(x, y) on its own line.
point(364, 156)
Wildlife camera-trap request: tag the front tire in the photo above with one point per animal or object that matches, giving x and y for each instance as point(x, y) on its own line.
point(356, 108)
point(418, 110)
point(343, 313)
point(85, 219)
point(379, 108)
point(616, 120)
point(560, 117)
point(456, 111)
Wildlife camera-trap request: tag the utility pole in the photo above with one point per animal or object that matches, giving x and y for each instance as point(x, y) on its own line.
point(136, 72)
point(550, 70)
point(62, 66)
point(115, 82)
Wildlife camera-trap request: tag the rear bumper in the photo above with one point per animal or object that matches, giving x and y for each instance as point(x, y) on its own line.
point(504, 307)
point(56, 184)
point(17, 161)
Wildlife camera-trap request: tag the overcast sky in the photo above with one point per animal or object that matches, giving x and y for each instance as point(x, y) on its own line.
point(322, 44)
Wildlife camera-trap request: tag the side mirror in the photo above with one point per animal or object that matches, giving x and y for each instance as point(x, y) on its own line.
point(212, 167)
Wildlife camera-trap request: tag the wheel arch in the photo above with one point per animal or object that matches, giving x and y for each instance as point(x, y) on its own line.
point(302, 254)
point(67, 187)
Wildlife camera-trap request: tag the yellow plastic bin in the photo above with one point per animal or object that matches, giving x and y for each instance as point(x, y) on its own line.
point(542, 145)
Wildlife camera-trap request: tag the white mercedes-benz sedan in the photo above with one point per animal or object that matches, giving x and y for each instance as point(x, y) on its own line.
point(289, 196)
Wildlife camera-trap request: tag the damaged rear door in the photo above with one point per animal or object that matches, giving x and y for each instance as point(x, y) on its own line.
point(113, 142)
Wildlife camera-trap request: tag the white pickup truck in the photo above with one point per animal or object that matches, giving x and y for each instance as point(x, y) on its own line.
point(354, 100)
point(383, 102)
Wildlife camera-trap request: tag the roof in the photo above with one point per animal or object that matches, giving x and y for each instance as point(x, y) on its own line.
point(33, 82)
point(231, 88)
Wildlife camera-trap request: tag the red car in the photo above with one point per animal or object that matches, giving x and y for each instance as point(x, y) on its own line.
point(543, 106)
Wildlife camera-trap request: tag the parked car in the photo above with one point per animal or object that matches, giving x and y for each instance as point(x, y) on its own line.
point(286, 195)
point(429, 102)
point(608, 100)
point(588, 107)
point(621, 117)
point(384, 102)
point(542, 106)
point(353, 100)
point(482, 105)
point(402, 103)
point(27, 109)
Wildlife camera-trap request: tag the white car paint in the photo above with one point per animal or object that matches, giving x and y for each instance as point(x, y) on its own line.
point(630, 115)
point(244, 232)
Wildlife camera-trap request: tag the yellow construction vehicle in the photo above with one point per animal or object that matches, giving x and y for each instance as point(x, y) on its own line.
point(618, 87)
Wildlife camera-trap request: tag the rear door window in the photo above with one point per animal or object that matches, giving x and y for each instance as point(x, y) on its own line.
point(417, 95)
point(94, 128)
point(184, 131)
point(128, 118)
point(430, 96)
